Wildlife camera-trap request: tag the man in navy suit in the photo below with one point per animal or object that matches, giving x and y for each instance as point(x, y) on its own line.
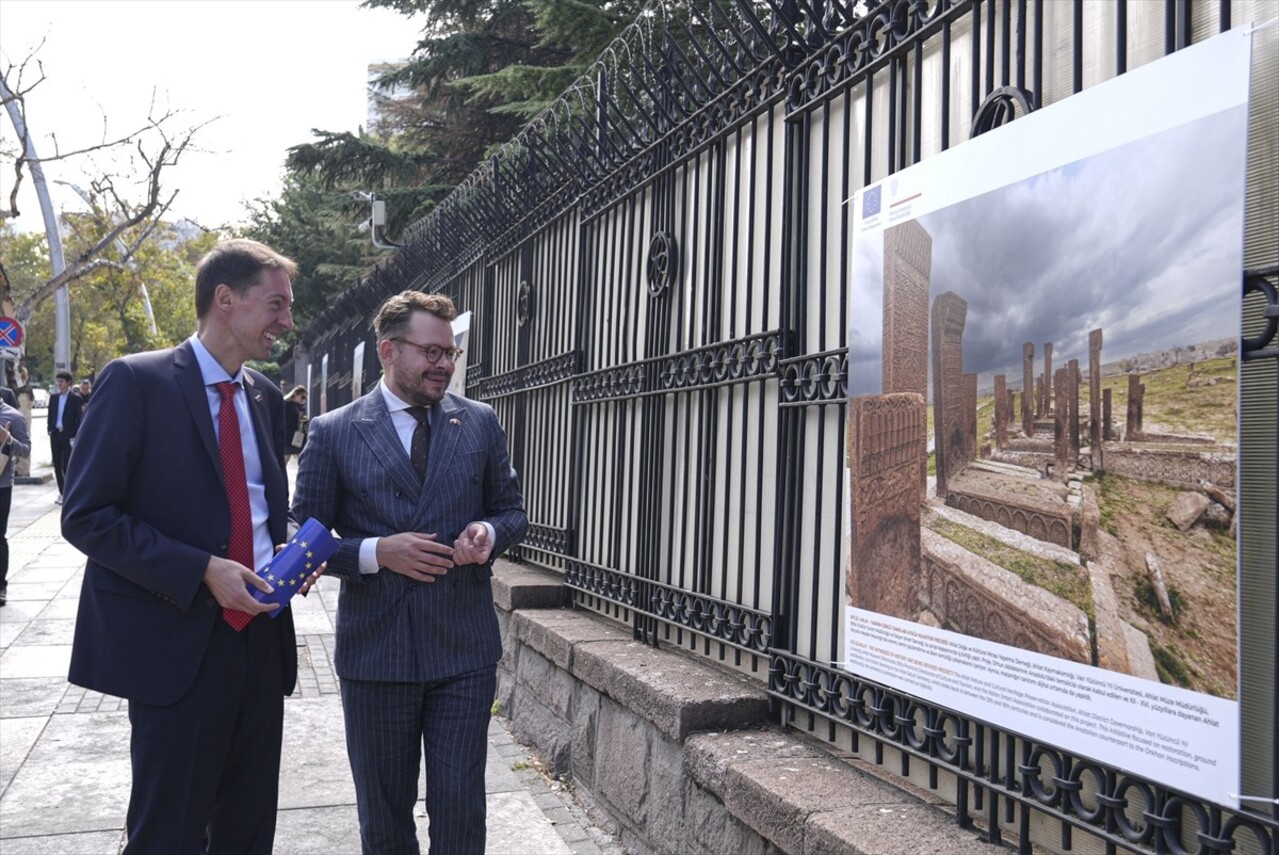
point(148, 503)
point(63, 422)
point(418, 483)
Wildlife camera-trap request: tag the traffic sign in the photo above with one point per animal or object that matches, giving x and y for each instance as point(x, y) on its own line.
point(10, 334)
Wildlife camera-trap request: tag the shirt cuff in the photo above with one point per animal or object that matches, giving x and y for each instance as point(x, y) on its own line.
point(368, 556)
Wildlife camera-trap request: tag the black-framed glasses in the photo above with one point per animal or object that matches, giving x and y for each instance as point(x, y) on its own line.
point(432, 352)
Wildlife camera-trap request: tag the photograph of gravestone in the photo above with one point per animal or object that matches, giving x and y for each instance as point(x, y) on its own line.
point(1042, 446)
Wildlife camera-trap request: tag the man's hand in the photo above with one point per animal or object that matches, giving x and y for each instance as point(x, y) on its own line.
point(418, 556)
point(473, 545)
point(309, 582)
point(227, 578)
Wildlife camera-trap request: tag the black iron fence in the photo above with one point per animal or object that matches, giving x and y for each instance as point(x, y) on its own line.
point(658, 269)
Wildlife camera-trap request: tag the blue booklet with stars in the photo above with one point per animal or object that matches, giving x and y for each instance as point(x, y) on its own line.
point(308, 549)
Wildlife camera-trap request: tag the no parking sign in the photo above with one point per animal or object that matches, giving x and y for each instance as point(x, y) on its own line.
point(10, 338)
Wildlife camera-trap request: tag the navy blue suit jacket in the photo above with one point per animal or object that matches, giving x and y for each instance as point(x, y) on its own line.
point(70, 414)
point(356, 478)
point(146, 502)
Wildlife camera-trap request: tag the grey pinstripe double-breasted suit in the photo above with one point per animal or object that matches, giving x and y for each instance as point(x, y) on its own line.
point(355, 477)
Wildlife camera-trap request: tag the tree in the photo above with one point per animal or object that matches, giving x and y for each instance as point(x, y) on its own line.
point(316, 228)
point(571, 36)
point(152, 147)
point(481, 69)
point(108, 318)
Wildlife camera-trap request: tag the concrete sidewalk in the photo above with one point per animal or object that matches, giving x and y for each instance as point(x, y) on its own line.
point(64, 752)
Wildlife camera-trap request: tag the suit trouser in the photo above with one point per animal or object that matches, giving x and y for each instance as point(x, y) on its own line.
point(6, 503)
point(206, 770)
point(60, 446)
point(388, 725)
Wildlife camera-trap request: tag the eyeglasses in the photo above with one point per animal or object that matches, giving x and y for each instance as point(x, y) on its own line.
point(433, 352)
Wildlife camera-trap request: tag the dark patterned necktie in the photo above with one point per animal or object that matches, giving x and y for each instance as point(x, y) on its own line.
point(420, 446)
point(237, 492)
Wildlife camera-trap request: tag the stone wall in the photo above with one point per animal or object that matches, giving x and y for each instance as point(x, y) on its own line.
point(1051, 524)
point(970, 595)
point(1184, 468)
point(674, 755)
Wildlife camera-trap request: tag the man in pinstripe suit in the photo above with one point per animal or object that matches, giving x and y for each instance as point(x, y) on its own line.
point(419, 485)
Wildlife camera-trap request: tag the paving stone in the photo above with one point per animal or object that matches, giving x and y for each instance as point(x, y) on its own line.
point(46, 632)
point(38, 660)
point(75, 779)
point(88, 843)
point(19, 737)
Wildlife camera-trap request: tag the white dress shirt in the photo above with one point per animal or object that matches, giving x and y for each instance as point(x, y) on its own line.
point(212, 373)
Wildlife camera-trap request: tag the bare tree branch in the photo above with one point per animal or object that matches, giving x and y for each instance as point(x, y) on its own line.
point(155, 148)
point(13, 79)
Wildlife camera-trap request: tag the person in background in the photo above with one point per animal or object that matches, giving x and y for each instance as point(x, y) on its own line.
point(86, 389)
point(418, 483)
point(176, 493)
point(295, 420)
point(63, 418)
point(15, 441)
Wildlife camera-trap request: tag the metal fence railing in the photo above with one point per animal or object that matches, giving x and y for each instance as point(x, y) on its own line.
point(658, 268)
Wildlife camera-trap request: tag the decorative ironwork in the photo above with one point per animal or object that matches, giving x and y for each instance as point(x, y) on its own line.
point(1001, 107)
point(561, 541)
point(660, 96)
point(818, 378)
point(863, 45)
point(604, 582)
point(1263, 281)
point(1123, 810)
point(738, 361)
point(730, 623)
point(524, 303)
point(548, 372)
point(663, 263)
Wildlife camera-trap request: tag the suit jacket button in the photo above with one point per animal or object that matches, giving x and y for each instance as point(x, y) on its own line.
point(210, 602)
point(225, 547)
point(399, 494)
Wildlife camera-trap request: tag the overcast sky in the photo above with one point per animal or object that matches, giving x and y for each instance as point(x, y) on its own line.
point(1143, 241)
point(271, 69)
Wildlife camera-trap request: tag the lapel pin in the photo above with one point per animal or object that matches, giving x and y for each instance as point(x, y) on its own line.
point(455, 421)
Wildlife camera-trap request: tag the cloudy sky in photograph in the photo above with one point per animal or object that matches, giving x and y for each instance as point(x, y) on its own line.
point(1143, 241)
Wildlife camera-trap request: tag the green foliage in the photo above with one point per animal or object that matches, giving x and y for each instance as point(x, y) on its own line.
point(1172, 668)
point(316, 228)
point(25, 257)
point(1149, 602)
point(572, 34)
point(480, 70)
point(270, 368)
point(108, 314)
point(1173, 405)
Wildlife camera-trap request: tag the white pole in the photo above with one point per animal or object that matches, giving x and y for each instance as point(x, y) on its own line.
point(62, 305)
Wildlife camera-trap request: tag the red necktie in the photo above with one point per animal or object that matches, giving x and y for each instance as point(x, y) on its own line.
point(237, 492)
